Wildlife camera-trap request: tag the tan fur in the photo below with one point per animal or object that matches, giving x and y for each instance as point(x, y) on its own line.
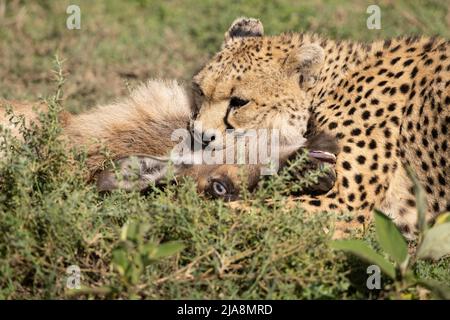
point(140, 124)
point(24, 109)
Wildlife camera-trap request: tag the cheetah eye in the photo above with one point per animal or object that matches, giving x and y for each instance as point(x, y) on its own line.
point(197, 89)
point(236, 102)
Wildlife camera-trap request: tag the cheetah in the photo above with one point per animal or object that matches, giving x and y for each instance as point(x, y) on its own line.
point(386, 102)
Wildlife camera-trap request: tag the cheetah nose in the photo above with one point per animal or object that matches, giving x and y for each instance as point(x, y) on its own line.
point(208, 139)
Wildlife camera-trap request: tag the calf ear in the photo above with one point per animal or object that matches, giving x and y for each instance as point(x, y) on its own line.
point(134, 173)
point(244, 27)
point(306, 61)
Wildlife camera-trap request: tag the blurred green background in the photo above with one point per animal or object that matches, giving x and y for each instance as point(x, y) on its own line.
point(123, 42)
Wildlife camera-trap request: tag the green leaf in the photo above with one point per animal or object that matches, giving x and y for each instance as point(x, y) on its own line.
point(421, 201)
point(124, 232)
point(137, 231)
point(436, 243)
point(135, 270)
point(440, 290)
point(390, 238)
point(120, 260)
point(362, 250)
point(167, 249)
point(149, 249)
point(442, 218)
point(147, 252)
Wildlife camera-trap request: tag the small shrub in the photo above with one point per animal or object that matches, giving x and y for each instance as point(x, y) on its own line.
point(433, 244)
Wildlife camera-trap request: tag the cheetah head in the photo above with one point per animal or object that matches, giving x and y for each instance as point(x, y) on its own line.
point(256, 82)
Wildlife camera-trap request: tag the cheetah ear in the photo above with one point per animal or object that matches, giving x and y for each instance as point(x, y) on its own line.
point(307, 61)
point(132, 173)
point(244, 27)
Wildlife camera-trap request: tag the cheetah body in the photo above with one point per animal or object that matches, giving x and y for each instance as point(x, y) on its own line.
point(387, 103)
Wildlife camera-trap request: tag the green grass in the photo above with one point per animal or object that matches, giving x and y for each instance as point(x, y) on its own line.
point(50, 219)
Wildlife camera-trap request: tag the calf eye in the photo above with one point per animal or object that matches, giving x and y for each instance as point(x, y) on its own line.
point(219, 189)
point(236, 102)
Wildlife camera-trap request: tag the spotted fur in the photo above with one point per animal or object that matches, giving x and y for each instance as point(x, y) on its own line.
point(387, 103)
